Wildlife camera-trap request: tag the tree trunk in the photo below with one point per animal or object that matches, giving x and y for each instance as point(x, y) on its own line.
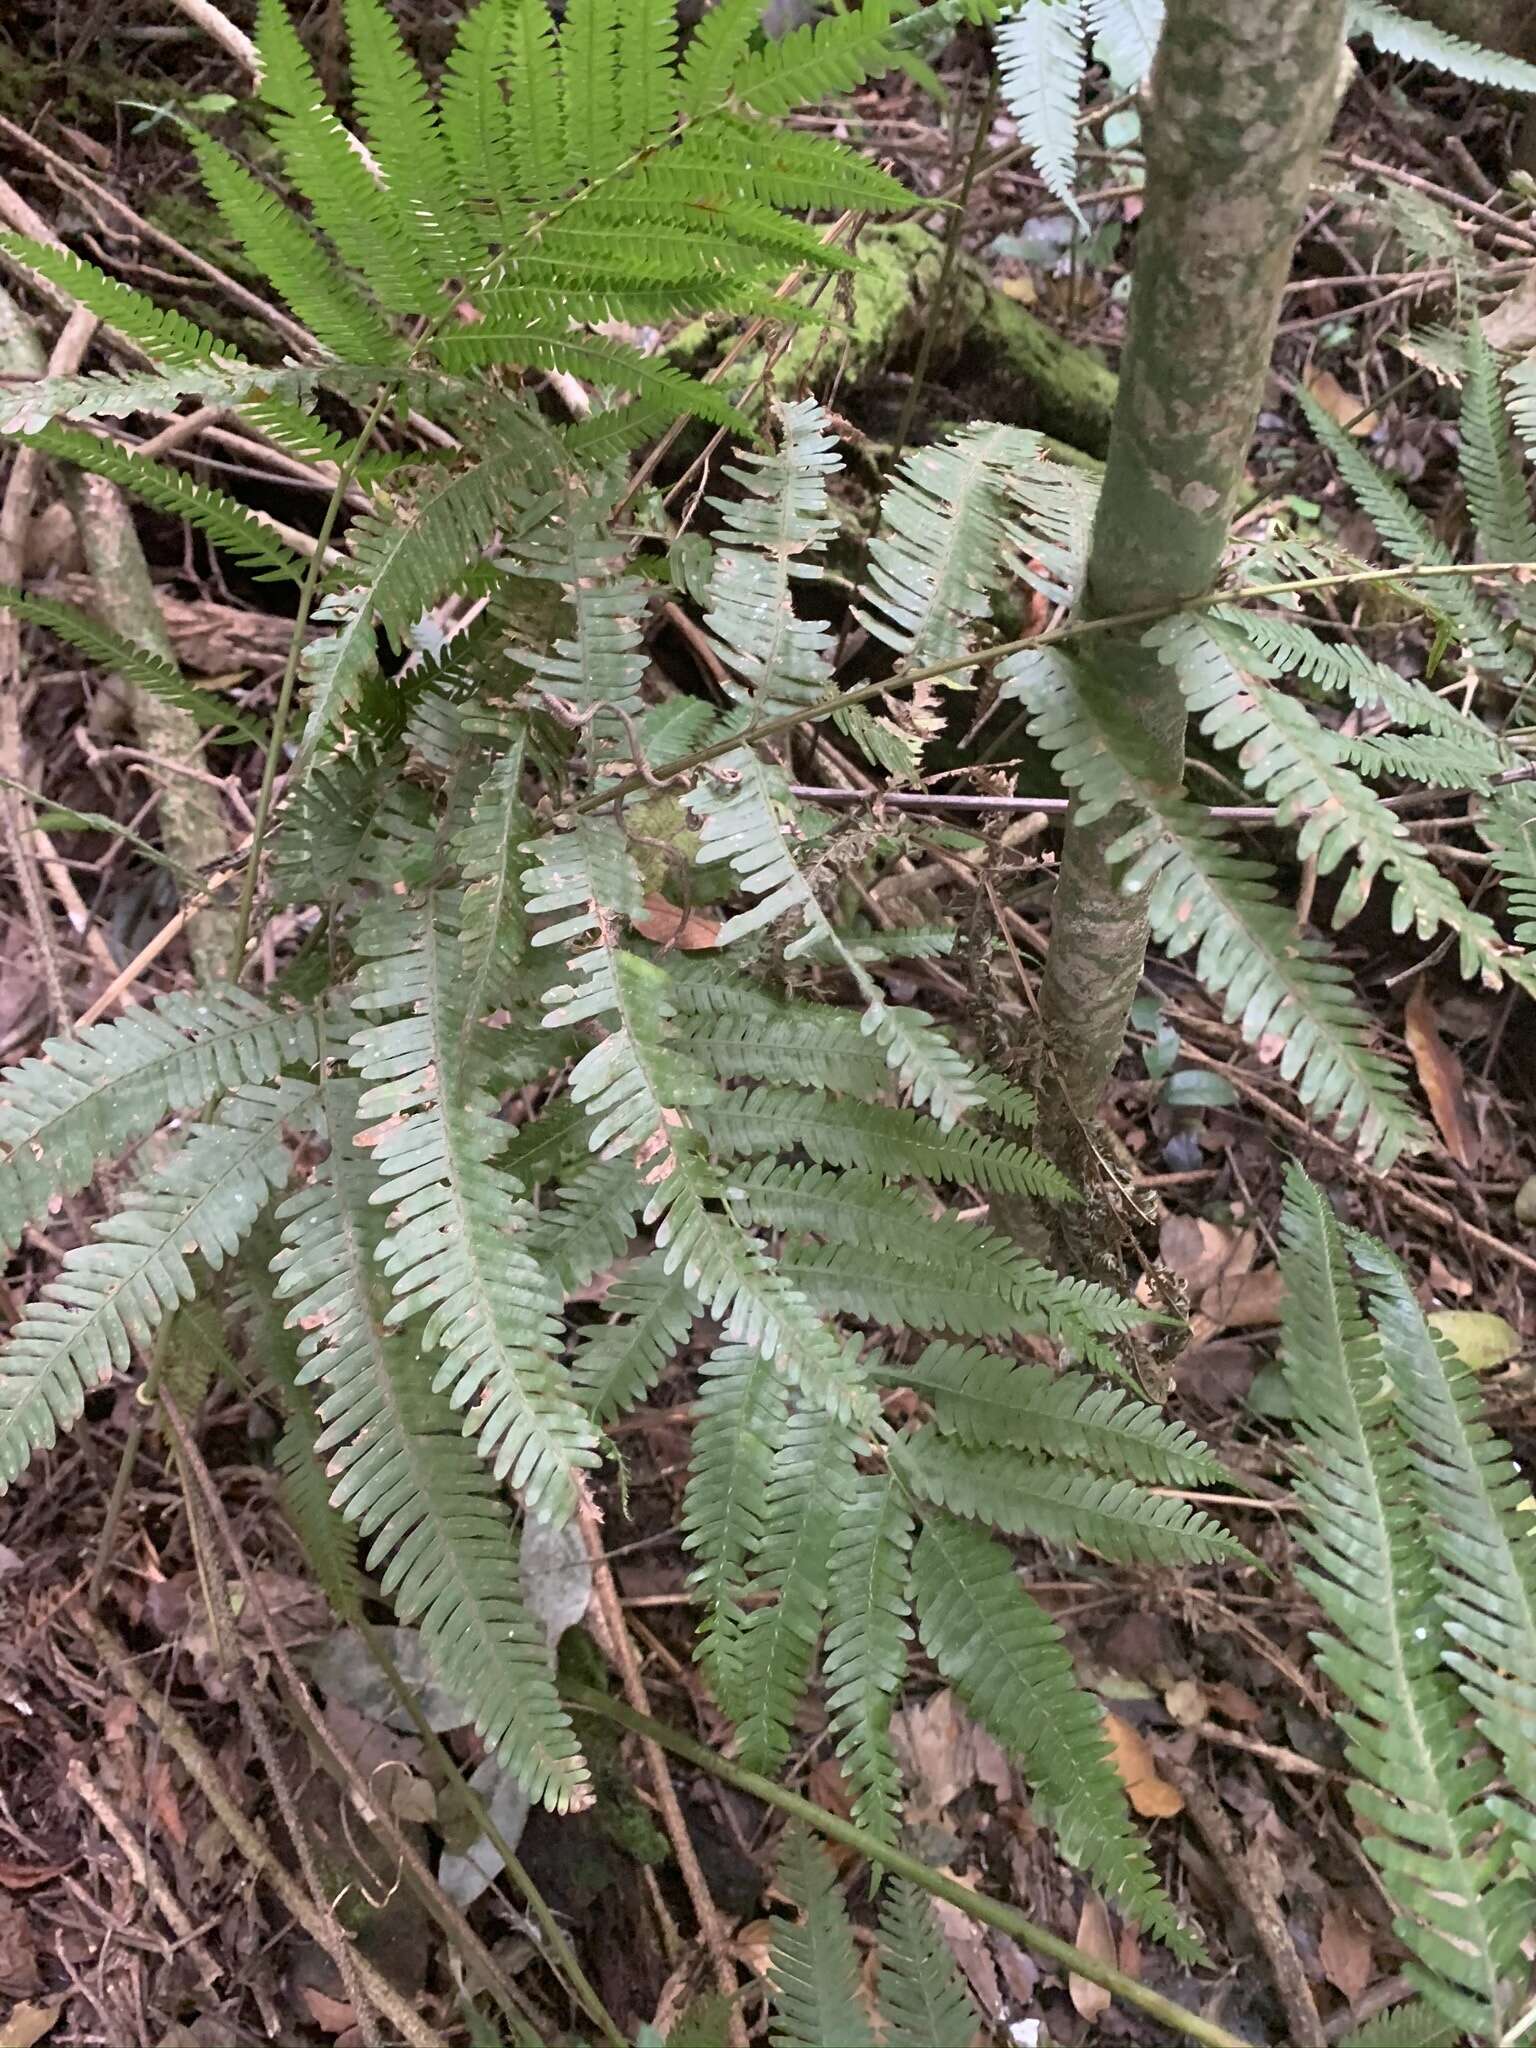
point(1242, 97)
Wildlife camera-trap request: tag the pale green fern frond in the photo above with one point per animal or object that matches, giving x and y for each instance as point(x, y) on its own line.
point(1497, 496)
point(1475, 1494)
point(985, 1401)
point(112, 1292)
point(813, 1968)
point(1040, 68)
point(1420, 1792)
point(1115, 1517)
point(1423, 42)
point(1508, 825)
point(88, 1098)
point(436, 1523)
point(865, 1657)
point(1005, 1657)
point(617, 1362)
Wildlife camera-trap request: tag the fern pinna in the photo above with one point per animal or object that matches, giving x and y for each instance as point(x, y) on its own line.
point(1422, 1562)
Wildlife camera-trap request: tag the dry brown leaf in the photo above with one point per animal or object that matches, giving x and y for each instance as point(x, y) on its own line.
point(944, 1753)
point(665, 925)
point(1441, 1077)
point(1243, 1301)
point(1202, 1253)
point(967, 1942)
point(1345, 1950)
point(753, 1946)
point(1231, 1702)
point(1094, 1937)
point(1152, 1797)
point(1185, 1701)
point(1512, 323)
point(21, 1877)
point(28, 2023)
point(330, 2015)
point(1339, 404)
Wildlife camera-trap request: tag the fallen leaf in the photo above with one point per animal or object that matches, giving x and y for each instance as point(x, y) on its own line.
point(1089, 2000)
point(331, 2015)
point(162, 1797)
point(28, 2023)
point(1185, 1701)
point(21, 1877)
point(1339, 404)
point(1479, 1340)
point(665, 925)
point(1525, 1203)
point(1444, 1281)
point(1202, 1253)
point(1245, 1301)
point(967, 1942)
point(1151, 1796)
point(1231, 1702)
point(1441, 1077)
point(1345, 1950)
point(1512, 323)
point(753, 1946)
point(945, 1753)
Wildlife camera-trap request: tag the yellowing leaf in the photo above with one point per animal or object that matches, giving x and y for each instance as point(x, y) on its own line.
point(1341, 405)
point(28, 2023)
point(1152, 1797)
point(1479, 1340)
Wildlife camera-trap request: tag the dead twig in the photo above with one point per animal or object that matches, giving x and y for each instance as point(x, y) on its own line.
point(145, 1875)
point(1254, 1887)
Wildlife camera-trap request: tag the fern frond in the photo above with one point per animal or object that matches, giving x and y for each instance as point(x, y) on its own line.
point(164, 334)
point(370, 226)
point(1276, 984)
point(534, 125)
point(1298, 764)
point(88, 1098)
point(922, 1993)
point(618, 1362)
point(1421, 758)
point(1421, 42)
point(109, 395)
point(986, 1402)
point(113, 1292)
point(124, 658)
point(244, 536)
point(1496, 490)
point(813, 1968)
point(1477, 1525)
point(1126, 34)
point(589, 57)
point(406, 140)
point(647, 82)
point(1040, 67)
point(1414, 2024)
point(830, 56)
point(1084, 1510)
point(535, 344)
point(810, 1487)
point(435, 1520)
point(493, 931)
point(741, 1419)
point(1005, 1657)
point(292, 258)
point(1508, 826)
point(588, 1230)
point(472, 108)
point(865, 1658)
point(453, 1249)
point(1461, 1917)
point(328, 1541)
point(1409, 536)
point(897, 1144)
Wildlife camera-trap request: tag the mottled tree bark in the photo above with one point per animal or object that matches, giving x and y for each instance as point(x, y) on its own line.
point(1242, 96)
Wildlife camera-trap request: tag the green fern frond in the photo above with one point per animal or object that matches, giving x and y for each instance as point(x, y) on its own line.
point(343, 319)
point(1414, 2024)
point(112, 1292)
point(1497, 496)
point(1422, 42)
point(865, 1658)
point(1298, 764)
point(647, 82)
point(774, 165)
point(986, 1402)
point(472, 108)
point(1475, 1495)
point(453, 1250)
point(1115, 1517)
point(534, 131)
point(813, 1968)
point(1508, 826)
point(124, 658)
point(588, 1230)
point(833, 55)
point(1275, 982)
point(618, 1362)
point(1424, 759)
point(1409, 536)
point(493, 931)
point(246, 538)
point(539, 345)
point(810, 1489)
point(1126, 35)
point(1040, 68)
point(404, 135)
point(165, 334)
point(922, 1993)
point(88, 1098)
point(1005, 1657)
point(370, 226)
point(435, 1520)
point(898, 1144)
point(1419, 1791)
point(108, 394)
point(741, 1419)
point(714, 50)
point(810, 1042)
